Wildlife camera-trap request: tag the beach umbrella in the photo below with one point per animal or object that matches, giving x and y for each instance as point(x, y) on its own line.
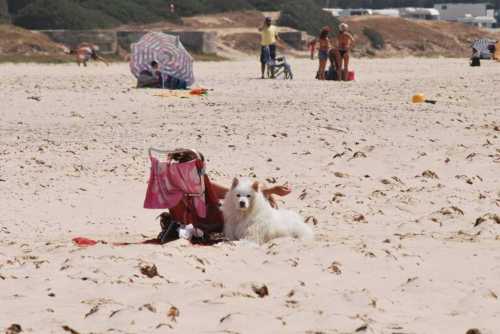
point(167, 51)
point(482, 45)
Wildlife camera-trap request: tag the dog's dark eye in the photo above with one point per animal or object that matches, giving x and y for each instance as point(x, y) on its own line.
point(248, 196)
point(237, 195)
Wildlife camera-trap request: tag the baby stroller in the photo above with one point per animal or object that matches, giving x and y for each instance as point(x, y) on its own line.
point(178, 182)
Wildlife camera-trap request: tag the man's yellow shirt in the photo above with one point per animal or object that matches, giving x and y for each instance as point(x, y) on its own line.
point(268, 36)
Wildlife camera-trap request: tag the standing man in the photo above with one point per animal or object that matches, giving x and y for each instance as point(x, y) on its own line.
point(268, 38)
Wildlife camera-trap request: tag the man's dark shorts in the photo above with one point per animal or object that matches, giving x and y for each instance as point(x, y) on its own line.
point(267, 53)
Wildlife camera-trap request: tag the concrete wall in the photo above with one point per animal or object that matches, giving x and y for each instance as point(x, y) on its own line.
point(198, 41)
point(106, 40)
point(296, 39)
point(195, 41)
point(109, 41)
point(126, 38)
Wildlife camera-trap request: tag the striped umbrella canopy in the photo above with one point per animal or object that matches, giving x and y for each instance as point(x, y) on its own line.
point(482, 45)
point(167, 51)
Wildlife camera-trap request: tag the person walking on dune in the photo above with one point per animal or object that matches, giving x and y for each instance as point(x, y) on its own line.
point(268, 39)
point(84, 52)
point(345, 43)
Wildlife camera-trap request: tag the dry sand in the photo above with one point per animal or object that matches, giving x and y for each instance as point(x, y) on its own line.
point(396, 189)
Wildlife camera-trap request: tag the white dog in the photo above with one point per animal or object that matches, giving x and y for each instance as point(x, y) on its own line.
point(248, 215)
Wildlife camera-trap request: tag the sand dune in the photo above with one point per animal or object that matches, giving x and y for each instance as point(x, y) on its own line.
point(406, 200)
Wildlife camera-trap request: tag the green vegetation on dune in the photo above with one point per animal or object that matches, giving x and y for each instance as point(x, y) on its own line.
point(87, 14)
point(376, 4)
point(91, 14)
point(306, 15)
point(266, 5)
point(130, 11)
point(61, 14)
point(375, 38)
point(16, 5)
point(217, 6)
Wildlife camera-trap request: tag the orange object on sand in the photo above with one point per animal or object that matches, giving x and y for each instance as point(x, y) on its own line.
point(198, 91)
point(84, 242)
point(418, 98)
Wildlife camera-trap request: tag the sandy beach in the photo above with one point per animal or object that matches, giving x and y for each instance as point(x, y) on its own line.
point(404, 200)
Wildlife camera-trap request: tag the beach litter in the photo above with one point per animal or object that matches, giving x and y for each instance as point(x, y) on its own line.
point(473, 331)
point(184, 94)
point(70, 330)
point(149, 270)
point(494, 218)
point(261, 291)
point(420, 98)
point(84, 242)
point(173, 313)
point(14, 329)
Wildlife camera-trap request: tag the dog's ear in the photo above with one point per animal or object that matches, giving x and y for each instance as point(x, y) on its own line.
point(235, 183)
point(256, 186)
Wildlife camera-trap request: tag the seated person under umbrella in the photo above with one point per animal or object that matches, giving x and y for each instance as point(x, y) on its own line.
point(151, 78)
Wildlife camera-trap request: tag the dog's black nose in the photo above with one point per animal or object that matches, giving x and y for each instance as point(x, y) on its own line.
point(242, 204)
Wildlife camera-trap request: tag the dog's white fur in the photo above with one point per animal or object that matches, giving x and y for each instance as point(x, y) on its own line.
point(248, 215)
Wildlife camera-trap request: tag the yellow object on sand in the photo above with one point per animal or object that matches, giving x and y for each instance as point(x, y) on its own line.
point(496, 56)
point(174, 93)
point(418, 98)
point(198, 91)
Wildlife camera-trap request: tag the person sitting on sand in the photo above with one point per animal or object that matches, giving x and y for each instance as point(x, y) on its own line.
point(175, 219)
point(154, 78)
point(282, 190)
point(150, 78)
point(475, 58)
point(493, 49)
point(323, 49)
point(332, 70)
point(85, 52)
point(182, 156)
point(183, 212)
point(268, 39)
point(345, 43)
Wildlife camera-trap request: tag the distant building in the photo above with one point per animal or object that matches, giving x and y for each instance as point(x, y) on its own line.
point(420, 13)
point(479, 21)
point(471, 14)
point(349, 11)
point(359, 12)
point(476, 14)
point(334, 11)
point(454, 11)
point(387, 12)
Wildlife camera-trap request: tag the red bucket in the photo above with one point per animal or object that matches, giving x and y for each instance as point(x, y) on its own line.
point(350, 76)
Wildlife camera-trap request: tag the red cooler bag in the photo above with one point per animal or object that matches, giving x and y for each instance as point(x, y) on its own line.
point(350, 76)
